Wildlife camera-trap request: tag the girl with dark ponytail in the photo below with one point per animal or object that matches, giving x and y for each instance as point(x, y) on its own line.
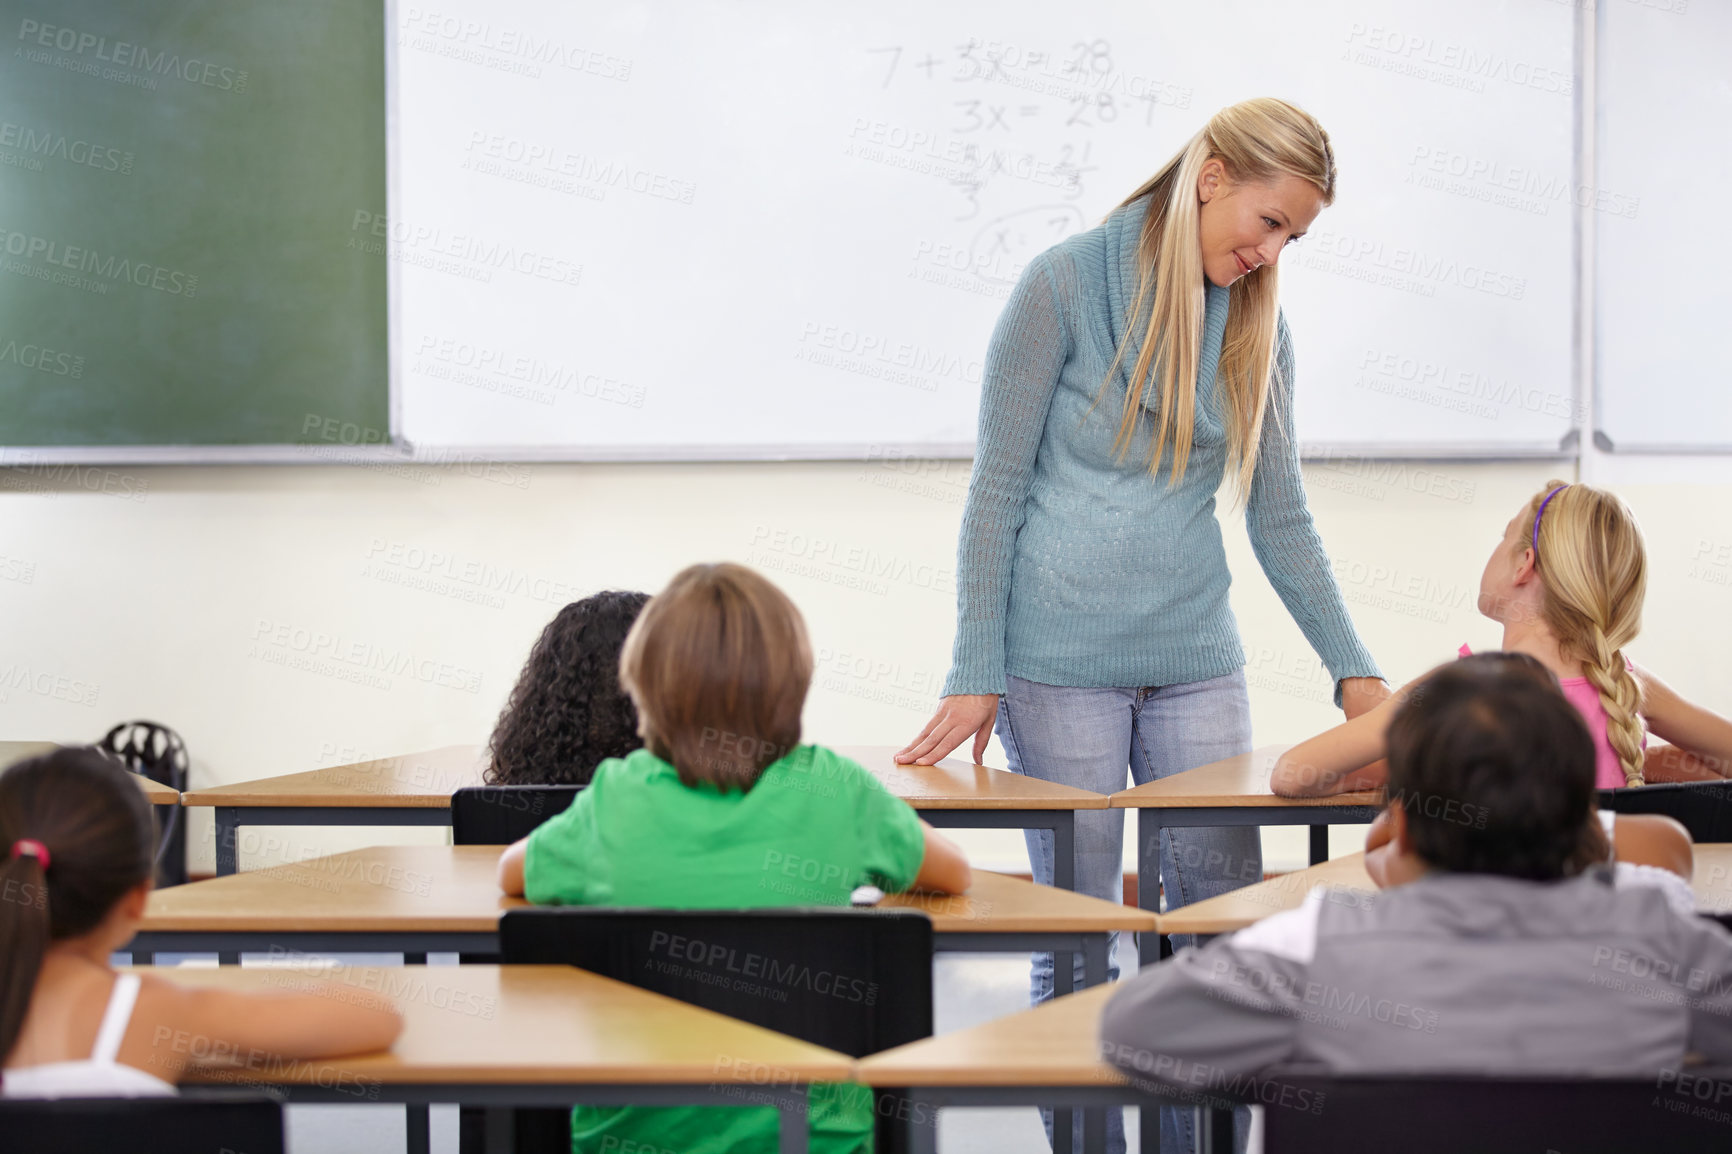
point(76, 844)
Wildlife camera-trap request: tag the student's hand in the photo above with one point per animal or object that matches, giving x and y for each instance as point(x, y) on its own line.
point(943, 865)
point(1382, 829)
point(511, 868)
point(1362, 695)
point(1381, 864)
point(958, 716)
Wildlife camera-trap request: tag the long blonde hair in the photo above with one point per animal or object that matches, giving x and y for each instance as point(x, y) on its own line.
point(1258, 141)
point(1593, 566)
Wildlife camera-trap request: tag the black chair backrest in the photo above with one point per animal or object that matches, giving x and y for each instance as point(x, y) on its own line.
point(157, 752)
point(500, 814)
point(1680, 1112)
point(194, 1123)
point(1704, 807)
point(858, 981)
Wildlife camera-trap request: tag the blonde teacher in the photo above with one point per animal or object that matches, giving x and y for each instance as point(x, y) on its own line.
point(1134, 367)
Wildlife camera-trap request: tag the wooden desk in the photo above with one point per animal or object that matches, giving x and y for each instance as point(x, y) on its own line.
point(1048, 1056)
point(416, 789)
point(1234, 911)
point(534, 1036)
point(1225, 793)
point(420, 899)
point(154, 791)
point(956, 794)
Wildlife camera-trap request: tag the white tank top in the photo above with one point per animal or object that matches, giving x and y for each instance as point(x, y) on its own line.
point(98, 1076)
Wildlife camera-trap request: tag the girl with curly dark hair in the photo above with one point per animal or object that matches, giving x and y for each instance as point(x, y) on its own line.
point(567, 713)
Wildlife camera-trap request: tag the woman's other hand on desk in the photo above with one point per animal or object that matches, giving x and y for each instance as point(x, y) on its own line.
point(959, 716)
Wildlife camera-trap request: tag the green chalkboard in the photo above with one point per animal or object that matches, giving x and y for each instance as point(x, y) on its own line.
point(178, 185)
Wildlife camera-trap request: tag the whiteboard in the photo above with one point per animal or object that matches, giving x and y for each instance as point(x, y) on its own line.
point(1664, 365)
point(756, 229)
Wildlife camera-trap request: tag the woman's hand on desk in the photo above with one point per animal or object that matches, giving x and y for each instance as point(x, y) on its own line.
point(959, 716)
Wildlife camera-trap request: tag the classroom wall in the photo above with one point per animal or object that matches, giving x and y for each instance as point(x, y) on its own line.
point(284, 618)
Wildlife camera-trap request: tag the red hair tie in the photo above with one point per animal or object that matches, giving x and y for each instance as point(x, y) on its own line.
point(29, 845)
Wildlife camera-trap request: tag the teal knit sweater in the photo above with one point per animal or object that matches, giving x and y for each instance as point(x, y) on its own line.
point(1078, 569)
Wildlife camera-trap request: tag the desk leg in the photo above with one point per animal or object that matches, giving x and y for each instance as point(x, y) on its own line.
point(1319, 844)
point(227, 839)
point(1214, 1130)
point(1095, 1129)
point(1061, 1131)
point(1149, 881)
point(922, 1129)
point(793, 1129)
point(417, 1137)
point(500, 1135)
point(1095, 959)
point(1064, 850)
point(1149, 945)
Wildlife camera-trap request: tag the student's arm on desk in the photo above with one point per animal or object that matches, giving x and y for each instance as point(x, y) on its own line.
point(327, 1020)
point(1348, 757)
point(943, 866)
point(1701, 740)
point(511, 868)
point(1228, 1008)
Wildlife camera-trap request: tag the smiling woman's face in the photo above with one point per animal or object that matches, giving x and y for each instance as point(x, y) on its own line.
point(1244, 226)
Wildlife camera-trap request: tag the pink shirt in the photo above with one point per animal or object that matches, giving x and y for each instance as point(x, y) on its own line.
point(1608, 770)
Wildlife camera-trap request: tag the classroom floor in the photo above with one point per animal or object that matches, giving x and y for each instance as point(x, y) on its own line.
point(970, 989)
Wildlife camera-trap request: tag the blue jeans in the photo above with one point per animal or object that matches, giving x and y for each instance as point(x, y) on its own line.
point(1087, 738)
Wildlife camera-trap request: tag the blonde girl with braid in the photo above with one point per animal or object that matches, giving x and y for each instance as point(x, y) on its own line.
point(1566, 582)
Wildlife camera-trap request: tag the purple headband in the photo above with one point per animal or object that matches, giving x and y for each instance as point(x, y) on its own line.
point(1541, 513)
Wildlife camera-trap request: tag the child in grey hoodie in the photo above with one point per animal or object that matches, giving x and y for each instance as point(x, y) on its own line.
point(1497, 947)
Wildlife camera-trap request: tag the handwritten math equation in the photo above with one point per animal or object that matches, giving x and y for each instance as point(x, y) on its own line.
point(1000, 90)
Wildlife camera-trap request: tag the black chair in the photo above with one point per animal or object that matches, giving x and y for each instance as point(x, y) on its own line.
point(856, 981)
point(1676, 1112)
point(195, 1122)
point(153, 750)
point(501, 814)
point(1703, 807)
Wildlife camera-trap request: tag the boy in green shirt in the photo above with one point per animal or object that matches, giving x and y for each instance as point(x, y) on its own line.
point(724, 809)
